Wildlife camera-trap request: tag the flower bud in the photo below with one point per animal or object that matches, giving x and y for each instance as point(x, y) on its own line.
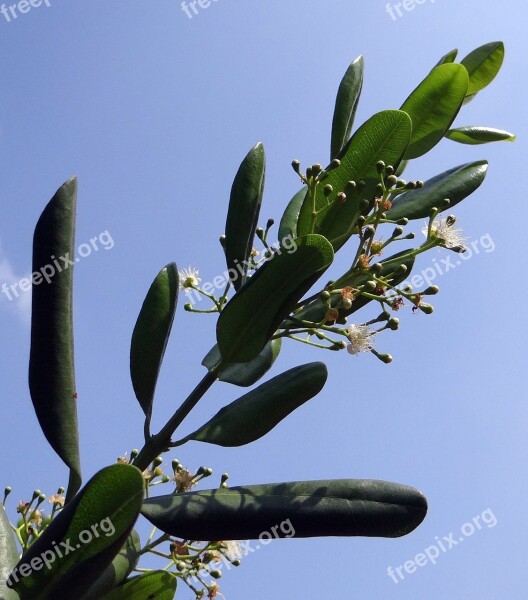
point(296, 166)
point(389, 169)
point(187, 306)
point(327, 190)
point(350, 186)
point(341, 197)
point(397, 232)
point(346, 303)
point(401, 183)
point(216, 574)
point(431, 290)
point(270, 223)
point(334, 164)
point(404, 221)
point(391, 180)
point(325, 295)
point(316, 169)
point(450, 220)
point(380, 166)
point(425, 308)
point(393, 323)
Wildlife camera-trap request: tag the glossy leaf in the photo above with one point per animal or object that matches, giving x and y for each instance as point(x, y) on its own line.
point(51, 362)
point(433, 106)
point(454, 184)
point(288, 223)
point(151, 334)
point(448, 58)
point(383, 137)
point(243, 212)
point(255, 414)
point(156, 585)
point(316, 310)
point(9, 555)
point(119, 569)
point(345, 106)
point(90, 530)
point(252, 316)
point(244, 374)
point(344, 507)
point(482, 65)
point(479, 135)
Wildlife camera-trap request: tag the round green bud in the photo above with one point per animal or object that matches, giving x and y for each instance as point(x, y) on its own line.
point(361, 220)
point(419, 183)
point(270, 223)
point(389, 170)
point(385, 358)
point(187, 306)
point(316, 169)
point(325, 295)
point(335, 163)
point(361, 184)
point(431, 290)
point(392, 180)
point(157, 461)
point(393, 323)
point(346, 303)
point(181, 566)
point(327, 190)
point(410, 185)
point(296, 165)
point(377, 268)
point(380, 166)
point(401, 183)
point(371, 284)
point(425, 308)
point(409, 236)
point(403, 221)
point(216, 574)
point(397, 232)
point(236, 562)
point(368, 232)
point(350, 186)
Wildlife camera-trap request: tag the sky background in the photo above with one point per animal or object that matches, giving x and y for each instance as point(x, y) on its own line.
point(153, 112)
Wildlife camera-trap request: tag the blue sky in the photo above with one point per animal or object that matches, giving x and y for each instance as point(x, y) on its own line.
point(153, 112)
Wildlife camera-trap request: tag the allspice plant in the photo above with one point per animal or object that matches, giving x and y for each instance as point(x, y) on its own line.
point(82, 544)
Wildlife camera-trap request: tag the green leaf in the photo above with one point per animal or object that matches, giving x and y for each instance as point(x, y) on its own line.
point(255, 414)
point(243, 212)
point(482, 65)
point(316, 309)
point(244, 374)
point(151, 334)
point(345, 106)
point(288, 223)
point(156, 585)
point(51, 362)
point(343, 507)
point(454, 184)
point(9, 555)
point(80, 543)
point(252, 316)
point(383, 137)
point(118, 570)
point(448, 58)
point(433, 106)
point(479, 135)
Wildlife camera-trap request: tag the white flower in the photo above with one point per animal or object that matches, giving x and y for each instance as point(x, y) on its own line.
point(188, 277)
point(231, 550)
point(444, 230)
point(360, 339)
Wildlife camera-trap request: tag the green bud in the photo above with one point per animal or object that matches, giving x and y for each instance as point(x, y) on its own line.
point(350, 186)
point(425, 308)
point(404, 221)
point(327, 190)
point(316, 169)
point(364, 205)
point(346, 303)
point(380, 166)
point(411, 185)
point(431, 290)
point(187, 306)
point(361, 219)
point(236, 562)
point(409, 236)
point(61, 490)
point(296, 165)
point(341, 197)
point(334, 164)
point(260, 233)
point(393, 323)
point(389, 169)
point(459, 249)
point(325, 295)
point(216, 574)
point(270, 223)
point(401, 183)
point(397, 232)
point(371, 284)
point(7, 491)
point(176, 465)
point(181, 566)
point(392, 180)
point(379, 189)
point(361, 184)
point(433, 212)
point(384, 316)
point(368, 232)
point(157, 461)
point(419, 183)
point(36, 494)
point(377, 268)
point(401, 270)
point(386, 358)
point(450, 220)
point(224, 478)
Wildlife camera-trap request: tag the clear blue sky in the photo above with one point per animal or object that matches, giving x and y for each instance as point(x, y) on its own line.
point(153, 112)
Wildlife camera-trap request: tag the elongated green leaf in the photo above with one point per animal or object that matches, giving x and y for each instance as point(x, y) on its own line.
point(255, 414)
point(343, 507)
point(448, 58)
point(243, 212)
point(252, 316)
point(433, 106)
point(454, 184)
point(244, 374)
point(345, 106)
point(51, 362)
point(383, 137)
point(8, 555)
point(316, 310)
point(80, 543)
point(119, 569)
point(151, 334)
point(288, 223)
point(156, 585)
point(479, 135)
point(482, 65)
